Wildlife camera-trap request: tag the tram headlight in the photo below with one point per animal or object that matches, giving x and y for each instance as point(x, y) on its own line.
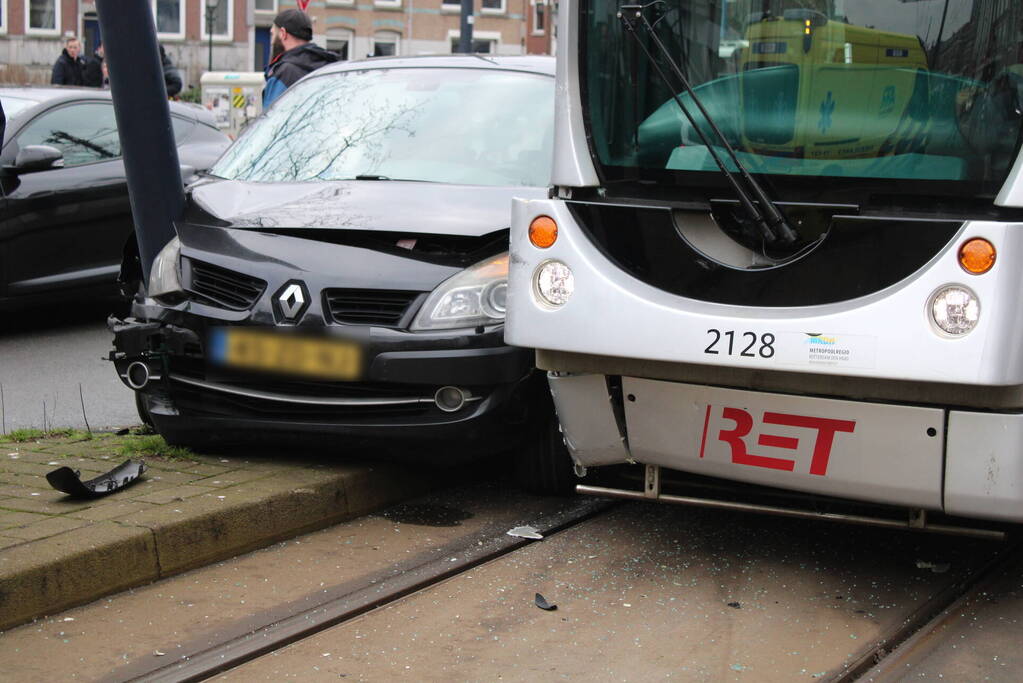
point(554, 282)
point(955, 310)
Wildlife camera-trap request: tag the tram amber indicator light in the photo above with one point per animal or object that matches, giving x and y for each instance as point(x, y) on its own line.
point(977, 256)
point(543, 232)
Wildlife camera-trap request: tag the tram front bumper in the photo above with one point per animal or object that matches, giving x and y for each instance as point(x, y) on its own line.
point(892, 454)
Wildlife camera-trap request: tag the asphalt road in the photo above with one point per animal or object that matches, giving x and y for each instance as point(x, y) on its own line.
point(45, 353)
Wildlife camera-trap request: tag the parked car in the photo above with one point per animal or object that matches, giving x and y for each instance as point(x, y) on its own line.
point(65, 217)
point(342, 271)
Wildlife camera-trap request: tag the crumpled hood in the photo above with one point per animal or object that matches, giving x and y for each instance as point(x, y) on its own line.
point(398, 206)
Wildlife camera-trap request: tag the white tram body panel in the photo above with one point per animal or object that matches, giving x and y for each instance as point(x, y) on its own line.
point(762, 394)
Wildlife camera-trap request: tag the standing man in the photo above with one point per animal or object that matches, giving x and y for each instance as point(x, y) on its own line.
point(69, 67)
point(92, 74)
point(293, 55)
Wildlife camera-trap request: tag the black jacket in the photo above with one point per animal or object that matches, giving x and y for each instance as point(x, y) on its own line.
point(171, 75)
point(92, 73)
point(290, 66)
point(67, 71)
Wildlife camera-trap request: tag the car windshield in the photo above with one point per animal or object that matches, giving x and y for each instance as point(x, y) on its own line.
point(13, 105)
point(450, 125)
point(916, 90)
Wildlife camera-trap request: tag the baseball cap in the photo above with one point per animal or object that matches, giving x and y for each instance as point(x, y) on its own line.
point(296, 22)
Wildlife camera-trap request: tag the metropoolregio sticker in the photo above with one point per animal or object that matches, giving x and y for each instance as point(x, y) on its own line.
point(827, 349)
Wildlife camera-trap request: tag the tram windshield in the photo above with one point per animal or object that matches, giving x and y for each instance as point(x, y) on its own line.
point(928, 93)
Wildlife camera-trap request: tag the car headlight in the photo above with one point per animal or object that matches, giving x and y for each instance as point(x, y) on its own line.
point(476, 296)
point(163, 278)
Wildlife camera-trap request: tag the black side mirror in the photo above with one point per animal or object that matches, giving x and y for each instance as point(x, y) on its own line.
point(33, 158)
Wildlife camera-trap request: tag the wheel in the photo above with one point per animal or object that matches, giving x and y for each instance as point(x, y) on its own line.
point(143, 411)
point(544, 466)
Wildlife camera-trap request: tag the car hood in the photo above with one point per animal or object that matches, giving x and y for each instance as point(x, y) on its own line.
point(394, 206)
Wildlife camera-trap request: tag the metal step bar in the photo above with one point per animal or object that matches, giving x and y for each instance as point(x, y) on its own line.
point(916, 521)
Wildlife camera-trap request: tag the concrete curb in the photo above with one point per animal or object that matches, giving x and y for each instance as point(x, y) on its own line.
point(46, 576)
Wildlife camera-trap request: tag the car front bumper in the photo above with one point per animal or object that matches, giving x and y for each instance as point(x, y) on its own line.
point(394, 404)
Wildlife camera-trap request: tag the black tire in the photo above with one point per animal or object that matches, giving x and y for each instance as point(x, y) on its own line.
point(140, 406)
point(543, 466)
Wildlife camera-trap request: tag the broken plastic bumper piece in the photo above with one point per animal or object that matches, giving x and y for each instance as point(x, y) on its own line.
point(69, 481)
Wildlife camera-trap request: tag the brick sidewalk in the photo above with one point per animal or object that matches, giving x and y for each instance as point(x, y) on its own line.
point(188, 510)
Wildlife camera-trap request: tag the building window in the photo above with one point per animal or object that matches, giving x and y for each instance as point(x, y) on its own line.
point(451, 5)
point(339, 41)
point(223, 19)
point(170, 18)
point(385, 44)
point(387, 4)
point(3, 17)
point(492, 7)
point(539, 17)
point(43, 16)
point(483, 42)
point(266, 6)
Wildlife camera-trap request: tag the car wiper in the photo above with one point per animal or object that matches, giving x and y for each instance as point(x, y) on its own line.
point(771, 222)
point(370, 176)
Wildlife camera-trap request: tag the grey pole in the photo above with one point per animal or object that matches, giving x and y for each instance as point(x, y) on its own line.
point(143, 122)
point(465, 28)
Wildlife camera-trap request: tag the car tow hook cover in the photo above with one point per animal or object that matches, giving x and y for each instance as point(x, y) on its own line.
point(69, 481)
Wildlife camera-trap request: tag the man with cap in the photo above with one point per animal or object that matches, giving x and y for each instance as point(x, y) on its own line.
point(293, 55)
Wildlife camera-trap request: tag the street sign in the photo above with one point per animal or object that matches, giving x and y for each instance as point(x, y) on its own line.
point(302, 4)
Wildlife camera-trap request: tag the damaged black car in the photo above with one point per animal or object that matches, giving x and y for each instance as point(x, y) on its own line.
point(340, 274)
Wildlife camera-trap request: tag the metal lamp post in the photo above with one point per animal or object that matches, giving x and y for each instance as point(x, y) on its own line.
point(211, 11)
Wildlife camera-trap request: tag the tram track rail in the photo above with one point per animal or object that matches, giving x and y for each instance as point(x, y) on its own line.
point(355, 598)
point(885, 659)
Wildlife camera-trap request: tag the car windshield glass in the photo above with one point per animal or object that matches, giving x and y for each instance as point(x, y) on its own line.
point(13, 105)
point(464, 126)
point(928, 90)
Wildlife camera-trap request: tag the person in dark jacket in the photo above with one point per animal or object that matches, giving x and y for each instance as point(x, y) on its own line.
point(92, 74)
point(171, 75)
point(68, 68)
point(294, 55)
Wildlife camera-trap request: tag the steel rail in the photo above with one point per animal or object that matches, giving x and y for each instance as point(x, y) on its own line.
point(888, 659)
point(358, 597)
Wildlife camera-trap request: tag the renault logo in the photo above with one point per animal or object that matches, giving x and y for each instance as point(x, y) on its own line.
point(290, 302)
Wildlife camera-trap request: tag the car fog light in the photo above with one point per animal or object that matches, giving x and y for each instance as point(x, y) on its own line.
point(955, 310)
point(554, 282)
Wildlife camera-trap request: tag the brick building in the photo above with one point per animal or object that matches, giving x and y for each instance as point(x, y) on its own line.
point(31, 31)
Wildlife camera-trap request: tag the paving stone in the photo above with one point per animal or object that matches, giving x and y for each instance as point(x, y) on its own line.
point(233, 478)
point(21, 479)
point(12, 518)
point(14, 491)
point(47, 527)
point(111, 510)
point(49, 503)
point(8, 541)
point(174, 494)
point(24, 467)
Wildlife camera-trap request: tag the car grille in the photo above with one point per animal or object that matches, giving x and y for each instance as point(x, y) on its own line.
point(384, 307)
point(222, 287)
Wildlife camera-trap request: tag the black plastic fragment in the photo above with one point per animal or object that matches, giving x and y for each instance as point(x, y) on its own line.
point(735, 605)
point(542, 603)
point(123, 432)
point(69, 481)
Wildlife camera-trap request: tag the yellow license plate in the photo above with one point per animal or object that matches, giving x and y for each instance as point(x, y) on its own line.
point(285, 353)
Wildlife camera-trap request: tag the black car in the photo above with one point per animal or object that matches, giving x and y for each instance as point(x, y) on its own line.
point(342, 272)
point(65, 217)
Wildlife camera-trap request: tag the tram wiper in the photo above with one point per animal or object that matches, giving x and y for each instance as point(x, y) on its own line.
point(771, 222)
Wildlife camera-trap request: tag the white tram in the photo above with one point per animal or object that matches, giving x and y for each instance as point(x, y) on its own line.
point(784, 247)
